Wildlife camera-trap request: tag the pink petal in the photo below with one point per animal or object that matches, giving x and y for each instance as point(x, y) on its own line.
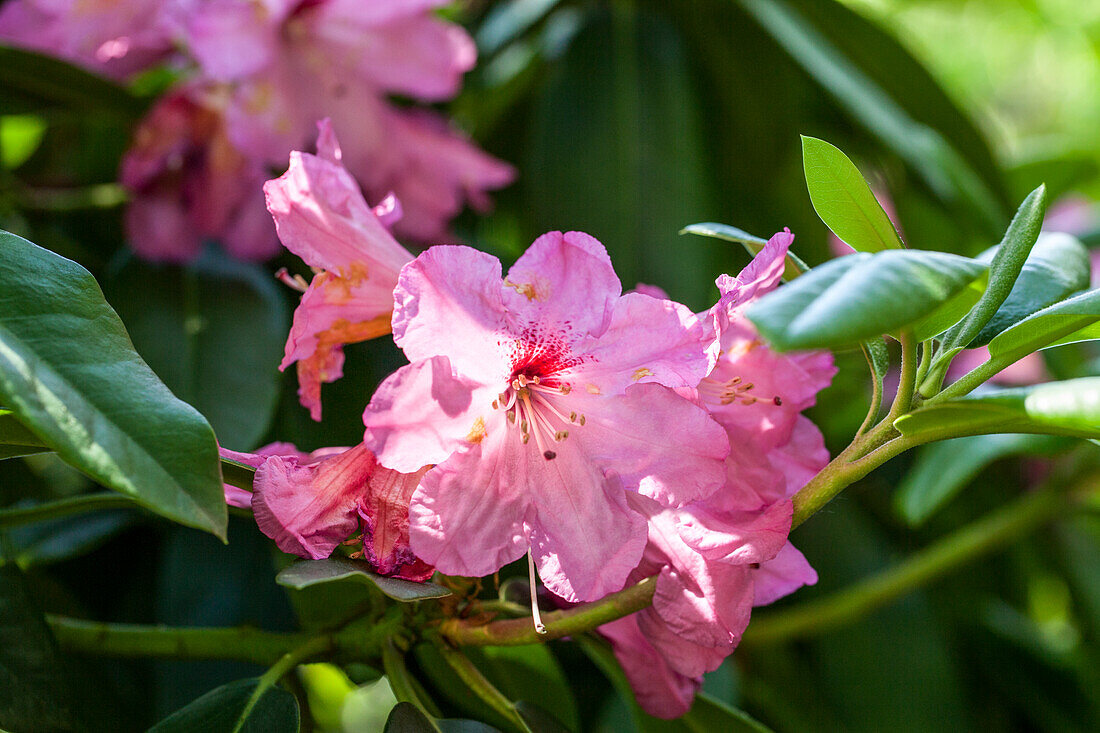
point(448, 301)
point(309, 510)
point(657, 441)
point(564, 282)
point(423, 412)
point(737, 537)
point(466, 517)
point(647, 340)
point(760, 276)
point(231, 40)
point(384, 509)
point(784, 574)
point(659, 690)
point(321, 216)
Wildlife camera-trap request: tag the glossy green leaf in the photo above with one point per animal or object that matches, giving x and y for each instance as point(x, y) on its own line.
point(219, 710)
point(844, 200)
point(31, 82)
point(793, 266)
point(16, 440)
point(1070, 321)
point(214, 332)
point(237, 474)
point(954, 308)
point(943, 469)
point(407, 718)
point(311, 572)
point(34, 691)
point(861, 296)
point(944, 169)
point(65, 538)
point(1005, 268)
point(69, 371)
point(1071, 407)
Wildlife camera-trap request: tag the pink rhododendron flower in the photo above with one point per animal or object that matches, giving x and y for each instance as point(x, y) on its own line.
point(321, 216)
point(112, 37)
point(188, 182)
point(287, 64)
point(311, 503)
point(543, 397)
point(721, 554)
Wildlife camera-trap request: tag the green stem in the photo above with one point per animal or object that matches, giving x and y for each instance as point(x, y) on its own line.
point(515, 632)
point(139, 640)
point(988, 534)
point(280, 669)
point(472, 677)
point(925, 360)
point(839, 474)
point(876, 394)
point(969, 381)
point(64, 508)
point(401, 682)
point(907, 379)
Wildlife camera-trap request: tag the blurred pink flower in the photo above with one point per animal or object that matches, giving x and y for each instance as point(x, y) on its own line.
point(188, 182)
point(311, 503)
point(321, 216)
point(112, 37)
point(543, 398)
point(288, 64)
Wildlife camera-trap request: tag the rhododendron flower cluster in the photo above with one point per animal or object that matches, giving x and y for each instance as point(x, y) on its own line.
point(258, 75)
point(609, 437)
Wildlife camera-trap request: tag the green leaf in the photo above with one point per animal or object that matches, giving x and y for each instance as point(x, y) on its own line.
point(214, 332)
point(1008, 262)
point(1057, 268)
point(64, 538)
point(916, 137)
point(844, 200)
point(311, 572)
point(861, 296)
point(70, 374)
point(540, 721)
point(530, 673)
point(708, 714)
point(949, 313)
point(1073, 320)
point(219, 710)
point(1068, 408)
point(16, 440)
point(20, 136)
point(793, 266)
point(34, 685)
point(31, 82)
point(942, 469)
point(407, 718)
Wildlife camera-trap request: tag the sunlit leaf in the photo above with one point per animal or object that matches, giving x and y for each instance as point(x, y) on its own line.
point(71, 375)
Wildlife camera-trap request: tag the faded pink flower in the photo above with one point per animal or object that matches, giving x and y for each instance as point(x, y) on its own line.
point(321, 216)
point(311, 503)
point(112, 37)
point(544, 398)
point(188, 182)
point(287, 64)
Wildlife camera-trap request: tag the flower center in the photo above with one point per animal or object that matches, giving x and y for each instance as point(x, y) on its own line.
point(732, 390)
point(528, 403)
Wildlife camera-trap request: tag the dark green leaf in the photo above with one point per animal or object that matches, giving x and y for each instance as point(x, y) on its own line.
point(311, 572)
point(943, 469)
point(1069, 408)
point(69, 372)
point(214, 332)
point(708, 714)
point(238, 474)
point(844, 200)
point(861, 296)
point(944, 169)
point(1005, 268)
point(540, 721)
point(793, 266)
point(34, 694)
point(64, 538)
point(219, 710)
point(530, 673)
point(16, 440)
point(36, 83)
point(1057, 267)
point(407, 718)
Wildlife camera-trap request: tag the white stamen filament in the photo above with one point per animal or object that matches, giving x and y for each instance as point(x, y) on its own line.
point(527, 402)
point(731, 390)
point(532, 581)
